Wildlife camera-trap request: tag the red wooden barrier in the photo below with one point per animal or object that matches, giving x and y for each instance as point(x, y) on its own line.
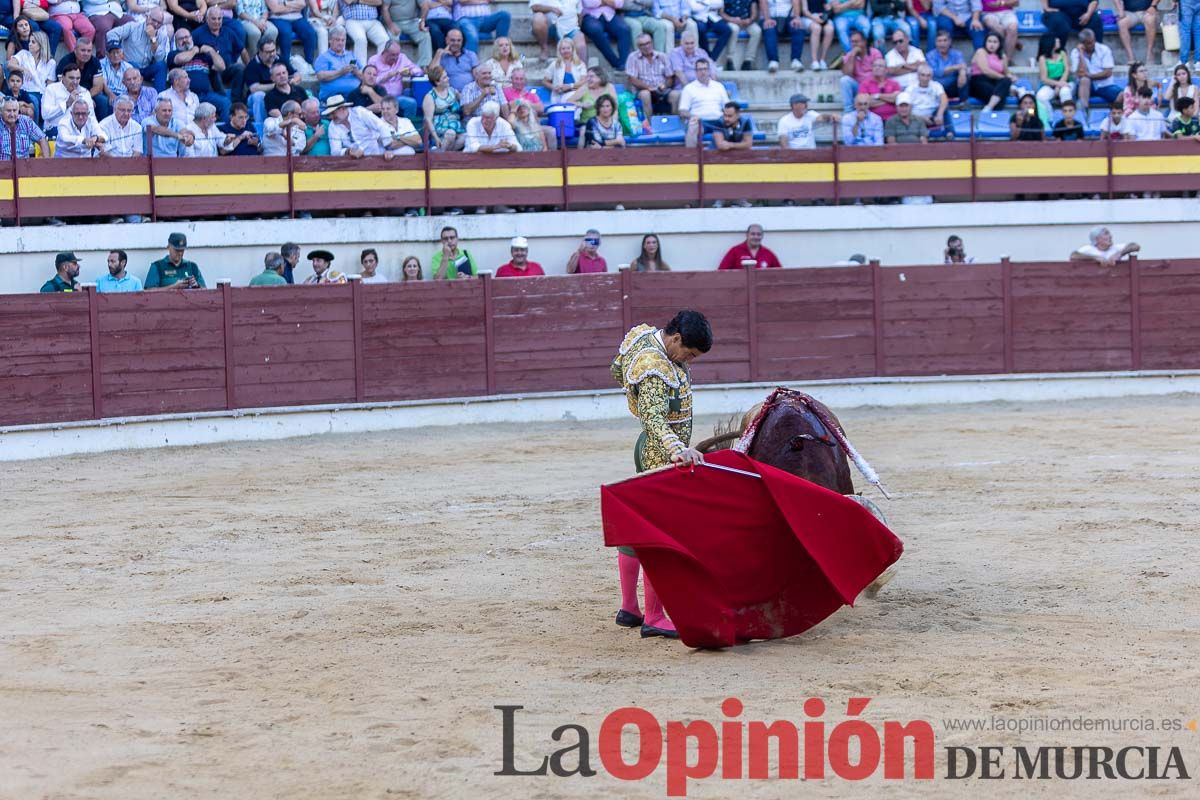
point(488, 179)
point(293, 345)
point(192, 187)
point(424, 340)
point(161, 352)
point(45, 359)
point(637, 177)
point(555, 333)
point(815, 323)
point(721, 296)
point(81, 355)
point(1070, 317)
point(1170, 329)
point(332, 184)
point(106, 187)
point(939, 320)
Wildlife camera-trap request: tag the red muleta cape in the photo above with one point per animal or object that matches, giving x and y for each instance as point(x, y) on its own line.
point(736, 558)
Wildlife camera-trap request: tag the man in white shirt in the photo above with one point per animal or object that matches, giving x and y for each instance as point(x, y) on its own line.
point(276, 132)
point(903, 59)
point(487, 133)
point(122, 135)
point(1103, 250)
point(78, 133)
point(1092, 63)
point(206, 137)
point(58, 95)
point(702, 99)
point(929, 100)
point(795, 128)
point(353, 131)
point(183, 101)
point(1146, 123)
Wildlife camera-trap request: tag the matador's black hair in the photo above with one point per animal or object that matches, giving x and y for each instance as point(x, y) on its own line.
point(693, 329)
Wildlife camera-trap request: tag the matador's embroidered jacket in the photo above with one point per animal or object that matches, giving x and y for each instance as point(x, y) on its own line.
point(659, 393)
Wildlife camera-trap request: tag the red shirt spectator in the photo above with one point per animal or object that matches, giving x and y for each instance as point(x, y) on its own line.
point(586, 257)
point(752, 250)
point(520, 266)
point(530, 270)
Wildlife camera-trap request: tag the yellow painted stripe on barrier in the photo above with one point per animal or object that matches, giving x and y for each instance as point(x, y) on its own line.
point(768, 173)
point(904, 170)
point(1088, 167)
point(6, 190)
point(531, 178)
point(210, 185)
point(1156, 165)
point(395, 180)
point(85, 186)
point(633, 174)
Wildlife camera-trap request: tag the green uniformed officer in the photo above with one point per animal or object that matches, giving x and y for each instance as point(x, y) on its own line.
point(174, 271)
point(67, 267)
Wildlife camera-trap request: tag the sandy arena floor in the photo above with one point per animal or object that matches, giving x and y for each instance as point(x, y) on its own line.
point(336, 617)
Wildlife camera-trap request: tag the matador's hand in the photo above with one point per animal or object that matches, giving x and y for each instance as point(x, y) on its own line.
point(688, 457)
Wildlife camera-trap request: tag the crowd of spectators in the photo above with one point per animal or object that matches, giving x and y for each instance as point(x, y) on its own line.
point(273, 77)
point(452, 260)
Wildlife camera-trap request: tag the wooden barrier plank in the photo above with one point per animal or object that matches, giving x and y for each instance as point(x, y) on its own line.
point(654, 176)
point(1049, 167)
point(189, 187)
point(510, 179)
point(336, 183)
point(773, 174)
point(108, 187)
point(905, 169)
point(297, 392)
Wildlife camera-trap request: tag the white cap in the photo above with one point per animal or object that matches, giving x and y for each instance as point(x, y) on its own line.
point(519, 241)
point(904, 98)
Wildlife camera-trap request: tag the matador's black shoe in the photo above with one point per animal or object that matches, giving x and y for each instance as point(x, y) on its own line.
point(650, 630)
point(628, 619)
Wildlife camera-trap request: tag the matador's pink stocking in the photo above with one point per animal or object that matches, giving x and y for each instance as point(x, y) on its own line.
point(629, 568)
point(655, 616)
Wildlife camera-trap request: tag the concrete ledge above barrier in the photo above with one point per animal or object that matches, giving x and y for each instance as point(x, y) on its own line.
point(24, 442)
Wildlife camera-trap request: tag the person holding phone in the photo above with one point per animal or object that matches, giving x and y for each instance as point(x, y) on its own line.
point(586, 257)
point(451, 261)
point(173, 271)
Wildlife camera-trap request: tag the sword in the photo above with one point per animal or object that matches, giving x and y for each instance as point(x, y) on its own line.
point(731, 469)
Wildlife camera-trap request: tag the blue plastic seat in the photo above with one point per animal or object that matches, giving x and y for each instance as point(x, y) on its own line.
point(731, 89)
point(663, 130)
point(993, 125)
point(1094, 118)
point(960, 123)
point(1030, 22)
point(543, 94)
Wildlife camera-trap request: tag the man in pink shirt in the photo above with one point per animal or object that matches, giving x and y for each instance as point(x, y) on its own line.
point(857, 68)
point(882, 90)
point(393, 68)
point(586, 257)
point(520, 266)
point(751, 250)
